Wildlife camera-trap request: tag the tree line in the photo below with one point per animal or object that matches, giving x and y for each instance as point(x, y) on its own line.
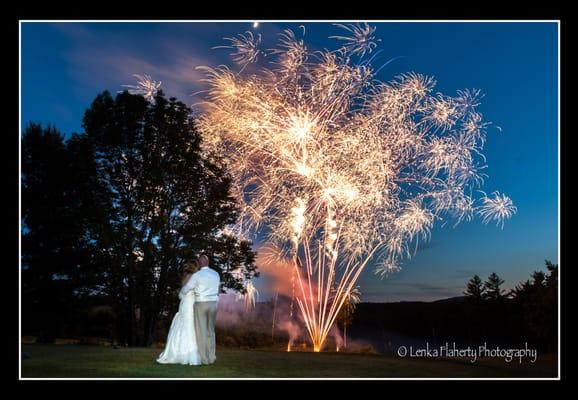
point(109, 216)
point(528, 313)
point(534, 301)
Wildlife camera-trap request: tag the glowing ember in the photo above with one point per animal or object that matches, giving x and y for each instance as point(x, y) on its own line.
point(341, 168)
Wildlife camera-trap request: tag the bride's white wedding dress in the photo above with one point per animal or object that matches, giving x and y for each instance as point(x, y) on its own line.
point(181, 347)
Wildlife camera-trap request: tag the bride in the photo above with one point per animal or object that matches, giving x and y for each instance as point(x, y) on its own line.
point(181, 347)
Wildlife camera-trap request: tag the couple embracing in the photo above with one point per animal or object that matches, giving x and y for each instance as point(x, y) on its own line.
point(191, 338)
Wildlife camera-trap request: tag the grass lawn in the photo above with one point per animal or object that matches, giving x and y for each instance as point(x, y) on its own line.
point(50, 361)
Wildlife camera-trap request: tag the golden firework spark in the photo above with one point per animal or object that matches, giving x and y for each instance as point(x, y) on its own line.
point(340, 168)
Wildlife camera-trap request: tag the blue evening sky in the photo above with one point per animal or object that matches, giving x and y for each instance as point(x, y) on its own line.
point(64, 66)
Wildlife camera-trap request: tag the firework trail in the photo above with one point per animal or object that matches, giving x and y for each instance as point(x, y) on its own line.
point(251, 293)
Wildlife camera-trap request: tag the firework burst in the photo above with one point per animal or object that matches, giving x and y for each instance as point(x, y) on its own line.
point(245, 48)
point(361, 40)
point(145, 86)
point(499, 208)
point(339, 168)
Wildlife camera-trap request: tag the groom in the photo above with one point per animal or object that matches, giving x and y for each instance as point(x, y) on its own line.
point(205, 284)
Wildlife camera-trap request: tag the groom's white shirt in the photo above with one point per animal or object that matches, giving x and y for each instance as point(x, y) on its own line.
point(204, 283)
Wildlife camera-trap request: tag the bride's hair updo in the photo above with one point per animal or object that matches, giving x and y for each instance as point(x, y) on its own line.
point(189, 268)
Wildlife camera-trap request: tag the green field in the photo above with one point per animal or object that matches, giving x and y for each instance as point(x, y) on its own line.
point(63, 361)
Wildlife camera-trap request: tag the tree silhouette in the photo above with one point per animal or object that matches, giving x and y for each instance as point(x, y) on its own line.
point(538, 301)
point(52, 239)
point(493, 289)
point(552, 277)
point(475, 289)
point(550, 305)
point(521, 291)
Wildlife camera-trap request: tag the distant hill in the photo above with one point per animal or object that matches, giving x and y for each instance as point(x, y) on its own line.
point(457, 299)
point(453, 319)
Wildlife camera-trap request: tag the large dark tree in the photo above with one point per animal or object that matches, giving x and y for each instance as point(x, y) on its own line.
point(52, 239)
point(166, 201)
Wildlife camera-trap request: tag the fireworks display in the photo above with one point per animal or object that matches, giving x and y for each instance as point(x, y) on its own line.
point(338, 168)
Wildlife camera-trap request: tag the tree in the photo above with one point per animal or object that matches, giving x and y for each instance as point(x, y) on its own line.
point(550, 303)
point(50, 235)
point(521, 290)
point(538, 301)
point(164, 201)
point(493, 287)
point(530, 289)
point(475, 294)
point(552, 277)
point(475, 290)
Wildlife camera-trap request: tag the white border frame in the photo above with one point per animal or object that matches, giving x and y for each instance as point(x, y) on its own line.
point(423, 21)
